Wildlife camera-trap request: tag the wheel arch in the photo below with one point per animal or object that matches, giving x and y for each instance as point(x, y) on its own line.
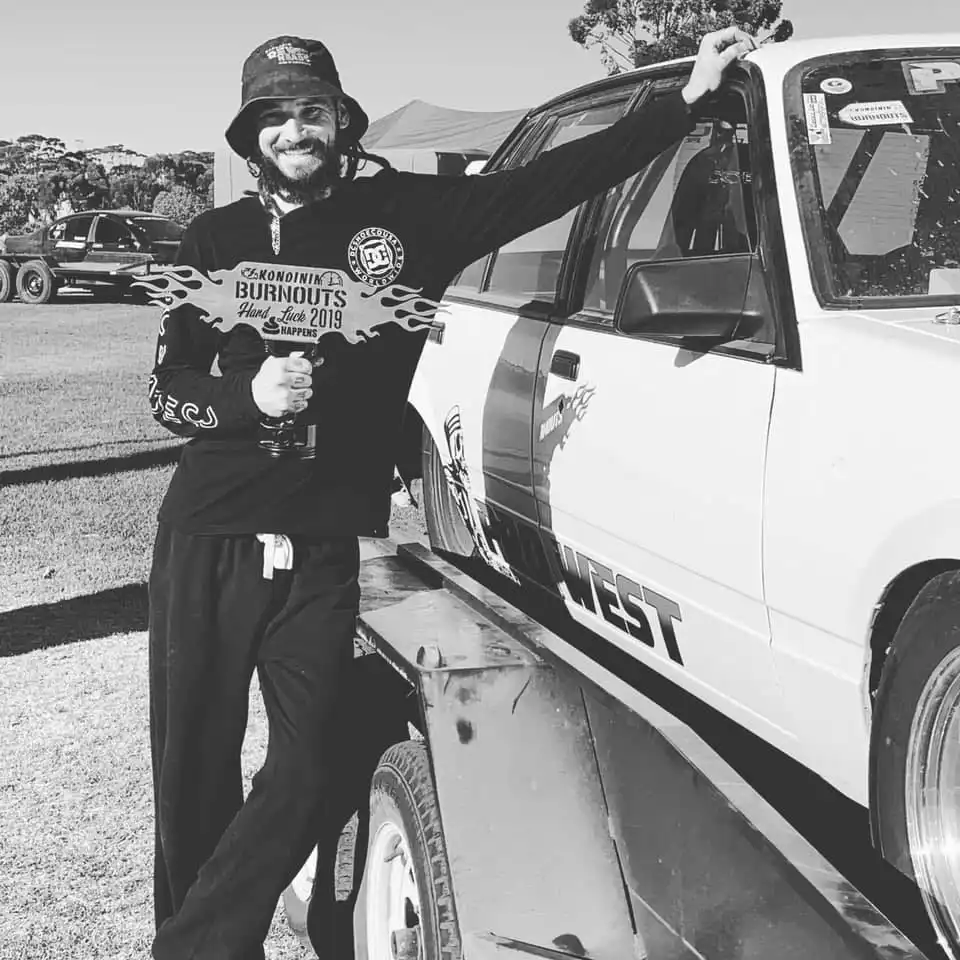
point(420, 414)
point(891, 607)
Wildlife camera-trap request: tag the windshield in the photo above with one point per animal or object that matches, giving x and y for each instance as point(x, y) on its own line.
point(156, 228)
point(875, 143)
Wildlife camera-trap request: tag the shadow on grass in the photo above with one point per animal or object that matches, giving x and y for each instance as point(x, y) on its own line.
point(119, 610)
point(145, 460)
point(77, 449)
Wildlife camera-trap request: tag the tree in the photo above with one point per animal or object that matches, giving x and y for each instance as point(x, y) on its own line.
point(132, 188)
point(20, 201)
point(88, 188)
point(32, 153)
point(41, 180)
point(180, 204)
point(630, 33)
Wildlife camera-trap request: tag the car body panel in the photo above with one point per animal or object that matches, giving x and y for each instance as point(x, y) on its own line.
point(494, 355)
point(686, 457)
point(860, 486)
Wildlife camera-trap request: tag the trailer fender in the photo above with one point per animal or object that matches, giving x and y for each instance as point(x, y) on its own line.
point(523, 815)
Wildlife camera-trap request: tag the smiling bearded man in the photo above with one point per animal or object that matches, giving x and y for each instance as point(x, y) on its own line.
point(256, 561)
point(296, 160)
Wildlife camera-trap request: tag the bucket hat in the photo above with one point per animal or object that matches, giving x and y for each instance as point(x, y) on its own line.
point(282, 68)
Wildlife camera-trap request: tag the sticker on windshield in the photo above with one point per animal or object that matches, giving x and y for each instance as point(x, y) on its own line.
point(818, 123)
point(875, 113)
point(930, 76)
point(836, 85)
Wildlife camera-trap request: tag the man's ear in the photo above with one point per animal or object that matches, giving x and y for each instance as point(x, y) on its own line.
point(343, 115)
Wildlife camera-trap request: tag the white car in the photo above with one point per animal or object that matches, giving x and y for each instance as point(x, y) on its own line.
point(712, 411)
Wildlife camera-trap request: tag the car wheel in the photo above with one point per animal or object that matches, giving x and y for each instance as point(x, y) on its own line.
point(445, 526)
point(36, 283)
point(916, 761)
point(406, 909)
point(7, 281)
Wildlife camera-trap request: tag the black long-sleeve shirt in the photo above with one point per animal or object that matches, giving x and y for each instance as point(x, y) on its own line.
point(225, 483)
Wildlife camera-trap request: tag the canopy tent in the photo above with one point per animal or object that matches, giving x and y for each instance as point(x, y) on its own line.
point(426, 138)
point(421, 125)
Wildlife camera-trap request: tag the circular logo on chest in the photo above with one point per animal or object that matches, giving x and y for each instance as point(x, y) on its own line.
point(376, 256)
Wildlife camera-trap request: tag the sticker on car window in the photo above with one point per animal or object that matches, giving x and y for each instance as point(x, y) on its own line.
point(930, 76)
point(818, 123)
point(836, 85)
point(875, 113)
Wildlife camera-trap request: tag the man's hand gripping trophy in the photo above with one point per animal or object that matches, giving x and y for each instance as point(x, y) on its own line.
point(281, 389)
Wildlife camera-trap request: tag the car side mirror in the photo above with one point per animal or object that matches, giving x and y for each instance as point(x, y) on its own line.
point(717, 298)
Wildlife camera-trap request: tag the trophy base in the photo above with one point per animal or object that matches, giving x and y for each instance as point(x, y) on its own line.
point(289, 440)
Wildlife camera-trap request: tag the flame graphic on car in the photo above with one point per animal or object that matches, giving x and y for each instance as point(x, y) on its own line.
point(293, 303)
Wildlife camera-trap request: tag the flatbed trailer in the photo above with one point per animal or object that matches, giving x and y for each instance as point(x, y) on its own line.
point(99, 271)
point(525, 801)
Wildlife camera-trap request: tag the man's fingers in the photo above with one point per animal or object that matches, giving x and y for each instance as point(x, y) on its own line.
point(734, 52)
point(297, 380)
point(721, 40)
point(297, 367)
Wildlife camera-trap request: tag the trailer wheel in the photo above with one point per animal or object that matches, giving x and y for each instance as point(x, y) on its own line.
point(406, 906)
point(445, 526)
point(36, 283)
point(7, 282)
point(916, 753)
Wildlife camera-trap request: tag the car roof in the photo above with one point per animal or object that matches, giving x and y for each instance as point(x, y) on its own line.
point(786, 55)
point(776, 58)
point(116, 213)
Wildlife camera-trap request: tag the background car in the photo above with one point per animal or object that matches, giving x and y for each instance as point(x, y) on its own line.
point(105, 250)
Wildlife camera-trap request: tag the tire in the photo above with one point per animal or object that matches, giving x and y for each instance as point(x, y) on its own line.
point(445, 526)
point(320, 901)
point(7, 281)
point(405, 910)
point(36, 283)
point(915, 759)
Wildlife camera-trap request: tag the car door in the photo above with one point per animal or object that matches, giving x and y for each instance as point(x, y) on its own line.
point(480, 380)
point(72, 243)
point(113, 241)
point(649, 450)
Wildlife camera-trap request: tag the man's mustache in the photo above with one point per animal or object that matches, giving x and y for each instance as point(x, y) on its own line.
point(311, 144)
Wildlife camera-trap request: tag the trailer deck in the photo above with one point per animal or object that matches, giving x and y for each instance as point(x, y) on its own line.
point(581, 819)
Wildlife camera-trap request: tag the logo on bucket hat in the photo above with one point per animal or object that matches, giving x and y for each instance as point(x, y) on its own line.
point(287, 53)
point(286, 68)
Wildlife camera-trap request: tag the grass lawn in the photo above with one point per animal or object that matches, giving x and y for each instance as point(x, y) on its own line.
point(83, 467)
point(82, 463)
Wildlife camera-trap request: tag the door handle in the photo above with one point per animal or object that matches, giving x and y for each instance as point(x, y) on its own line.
point(435, 333)
point(565, 364)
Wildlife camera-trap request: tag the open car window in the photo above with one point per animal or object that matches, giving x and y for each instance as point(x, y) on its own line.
point(528, 268)
point(693, 201)
point(108, 231)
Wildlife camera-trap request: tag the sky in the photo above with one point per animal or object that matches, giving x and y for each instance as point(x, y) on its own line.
point(165, 76)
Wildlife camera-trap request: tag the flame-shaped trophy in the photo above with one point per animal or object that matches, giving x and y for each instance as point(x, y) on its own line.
point(291, 305)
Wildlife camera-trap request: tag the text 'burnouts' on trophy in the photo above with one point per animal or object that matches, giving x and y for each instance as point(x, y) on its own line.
point(292, 308)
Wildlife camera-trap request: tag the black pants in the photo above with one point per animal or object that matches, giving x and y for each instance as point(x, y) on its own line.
point(222, 863)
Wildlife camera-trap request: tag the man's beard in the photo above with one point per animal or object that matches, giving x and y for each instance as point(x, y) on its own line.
point(315, 186)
